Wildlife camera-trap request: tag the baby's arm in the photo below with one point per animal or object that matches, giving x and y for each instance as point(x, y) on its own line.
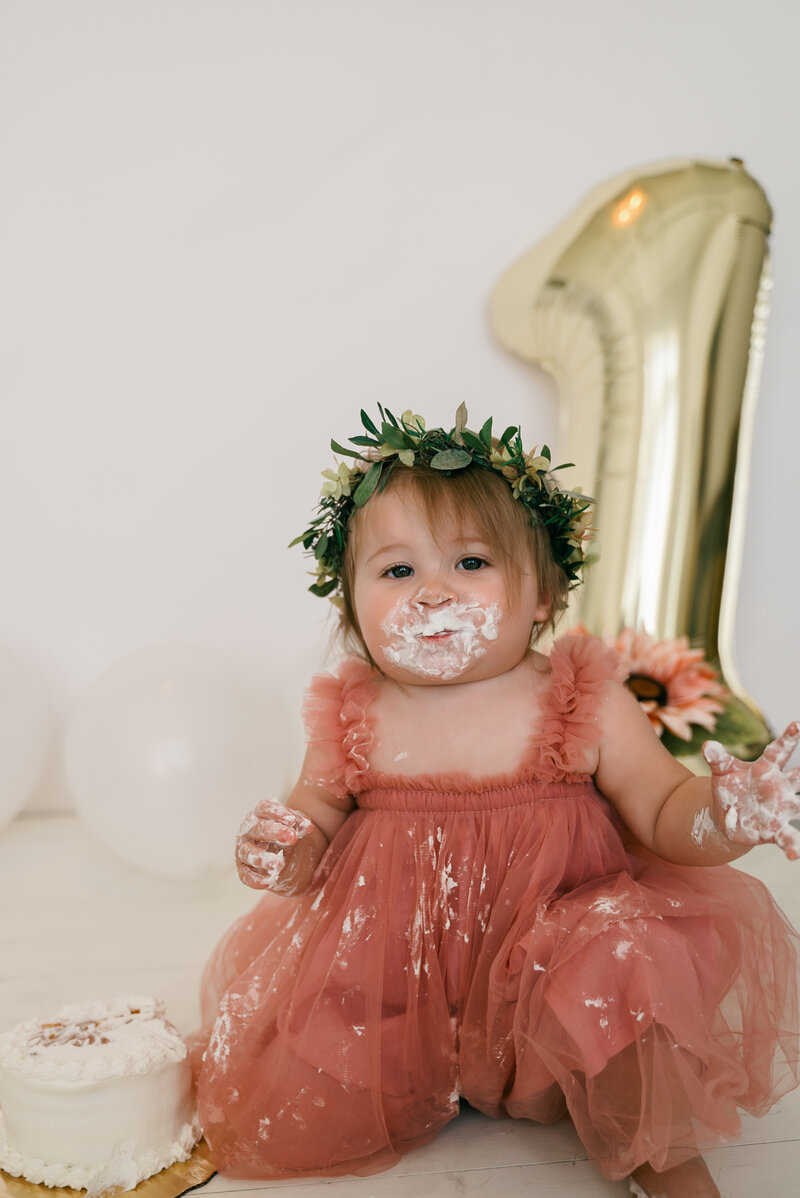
point(279, 846)
point(682, 817)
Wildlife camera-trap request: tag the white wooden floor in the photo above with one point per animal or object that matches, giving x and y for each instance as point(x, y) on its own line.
point(76, 923)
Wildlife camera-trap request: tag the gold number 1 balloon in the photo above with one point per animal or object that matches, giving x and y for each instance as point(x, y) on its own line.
point(649, 305)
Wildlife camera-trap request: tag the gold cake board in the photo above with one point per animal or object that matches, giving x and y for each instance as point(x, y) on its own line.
point(169, 1183)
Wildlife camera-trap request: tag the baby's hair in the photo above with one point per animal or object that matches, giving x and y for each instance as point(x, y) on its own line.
point(470, 496)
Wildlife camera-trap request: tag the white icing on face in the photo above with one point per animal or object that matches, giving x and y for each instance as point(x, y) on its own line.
point(440, 643)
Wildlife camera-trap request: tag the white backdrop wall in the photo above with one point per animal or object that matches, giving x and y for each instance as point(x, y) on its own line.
point(227, 225)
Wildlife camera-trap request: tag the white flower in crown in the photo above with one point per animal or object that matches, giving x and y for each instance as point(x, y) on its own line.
point(584, 525)
point(500, 459)
point(534, 463)
point(581, 526)
point(338, 482)
point(377, 453)
point(412, 422)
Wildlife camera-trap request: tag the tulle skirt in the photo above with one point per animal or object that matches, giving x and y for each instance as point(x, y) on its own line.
point(503, 946)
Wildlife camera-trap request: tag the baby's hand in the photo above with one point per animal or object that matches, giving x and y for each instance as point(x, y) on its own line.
point(754, 801)
point(265, 836)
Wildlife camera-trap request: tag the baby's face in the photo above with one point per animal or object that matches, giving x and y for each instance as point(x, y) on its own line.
point(435, 612)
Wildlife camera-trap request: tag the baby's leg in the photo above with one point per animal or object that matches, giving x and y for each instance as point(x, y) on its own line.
point(322, 1089)
point(639, 1076)
point(689, 1180)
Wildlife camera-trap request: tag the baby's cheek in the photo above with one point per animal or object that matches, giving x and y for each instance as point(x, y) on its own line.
point(370, 617)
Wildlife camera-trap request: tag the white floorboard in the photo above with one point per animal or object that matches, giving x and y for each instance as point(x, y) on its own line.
point(75, 922)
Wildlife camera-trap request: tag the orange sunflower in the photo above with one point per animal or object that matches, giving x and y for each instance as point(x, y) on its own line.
point(675, 685)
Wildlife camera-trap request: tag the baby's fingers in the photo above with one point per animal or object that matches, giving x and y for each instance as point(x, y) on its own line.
point(270, 820)
point(777, 791)
point(264, 831)
point(781, 749)
point(718, 757)
point(265, 808)
point(260, 867)
point(788, 838)
point(286, 829)
point(271, 861)
point(252, 877)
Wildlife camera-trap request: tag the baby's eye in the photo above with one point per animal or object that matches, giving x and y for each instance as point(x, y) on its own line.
point(398, 572)
point(473, 563)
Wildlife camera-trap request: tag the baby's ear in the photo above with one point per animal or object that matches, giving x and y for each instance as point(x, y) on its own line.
point(543, 611)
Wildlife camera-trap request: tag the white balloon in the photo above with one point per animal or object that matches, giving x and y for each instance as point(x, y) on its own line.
point(164, 754)
point(25, 735)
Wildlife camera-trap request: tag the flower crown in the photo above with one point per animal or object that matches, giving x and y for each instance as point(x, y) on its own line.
point(406, 442)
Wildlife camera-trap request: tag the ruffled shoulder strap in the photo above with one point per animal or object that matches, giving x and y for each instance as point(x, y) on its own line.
point(580, 665)
point(336, 718)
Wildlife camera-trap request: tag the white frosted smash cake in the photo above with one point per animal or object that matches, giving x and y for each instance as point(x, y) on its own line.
point(98, 1096)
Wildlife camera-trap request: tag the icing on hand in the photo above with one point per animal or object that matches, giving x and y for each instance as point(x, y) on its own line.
point(440, 642)
point(754, 801)
point(264, 835)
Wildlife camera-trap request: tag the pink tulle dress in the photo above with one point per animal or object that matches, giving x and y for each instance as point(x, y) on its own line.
point(494, 939)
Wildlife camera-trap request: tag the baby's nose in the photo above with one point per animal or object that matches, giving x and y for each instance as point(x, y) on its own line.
point(433, 594)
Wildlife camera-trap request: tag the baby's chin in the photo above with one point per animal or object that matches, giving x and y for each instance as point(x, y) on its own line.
point(411, 678)
point(439, 668)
